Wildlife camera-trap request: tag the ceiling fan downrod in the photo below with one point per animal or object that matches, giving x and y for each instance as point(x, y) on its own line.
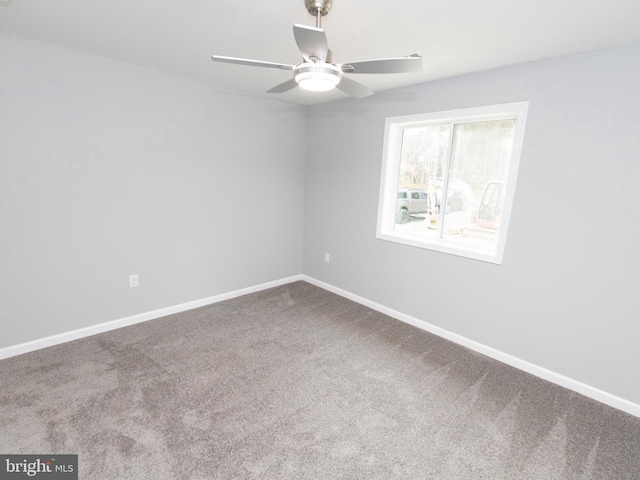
point(318, 9)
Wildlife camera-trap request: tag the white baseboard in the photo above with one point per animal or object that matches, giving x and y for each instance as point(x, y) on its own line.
point(558, 379)
point(582, 388)
point(26, 347)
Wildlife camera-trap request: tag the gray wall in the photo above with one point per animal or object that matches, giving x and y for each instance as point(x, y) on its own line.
point(108, 169)
point(566, 296)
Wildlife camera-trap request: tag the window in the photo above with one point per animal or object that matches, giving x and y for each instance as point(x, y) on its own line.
point(448, 179)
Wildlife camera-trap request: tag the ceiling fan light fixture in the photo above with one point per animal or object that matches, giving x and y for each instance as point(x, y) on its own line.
point(317, 77)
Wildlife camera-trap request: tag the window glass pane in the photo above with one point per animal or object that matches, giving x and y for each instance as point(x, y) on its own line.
point(480, 158)
point(423, 158)
point(448, 179)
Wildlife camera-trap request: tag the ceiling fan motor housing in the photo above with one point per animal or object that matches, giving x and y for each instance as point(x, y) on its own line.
point(322, 5)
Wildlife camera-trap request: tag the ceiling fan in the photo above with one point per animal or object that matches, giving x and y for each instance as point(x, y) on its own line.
point(317, 72)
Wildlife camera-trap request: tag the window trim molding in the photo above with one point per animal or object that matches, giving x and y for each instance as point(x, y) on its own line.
point(390, 172)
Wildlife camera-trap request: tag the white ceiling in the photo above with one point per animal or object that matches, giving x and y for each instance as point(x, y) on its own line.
point(454, 36)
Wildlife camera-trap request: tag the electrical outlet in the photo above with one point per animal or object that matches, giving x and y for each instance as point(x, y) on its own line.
point(327, 258)
point(133, 281)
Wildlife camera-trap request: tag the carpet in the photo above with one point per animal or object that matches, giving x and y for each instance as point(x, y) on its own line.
point(296, 382)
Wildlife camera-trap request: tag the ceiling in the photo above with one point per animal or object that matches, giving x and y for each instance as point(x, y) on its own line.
point(455, 37)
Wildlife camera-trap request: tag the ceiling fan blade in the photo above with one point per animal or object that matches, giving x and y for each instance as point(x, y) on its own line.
point(311, 41)
point(284, 87)
point(409, 64)
point(252, 63)
point(353, 88)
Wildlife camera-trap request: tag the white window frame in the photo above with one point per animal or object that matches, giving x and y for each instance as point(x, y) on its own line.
point(394, 127)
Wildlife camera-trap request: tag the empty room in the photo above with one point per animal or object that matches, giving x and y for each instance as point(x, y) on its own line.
point(409, 251)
